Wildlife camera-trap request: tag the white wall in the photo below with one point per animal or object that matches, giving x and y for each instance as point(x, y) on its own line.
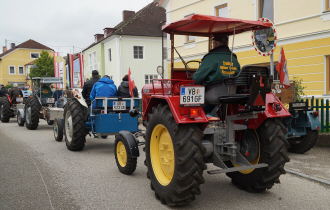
point(123, 57)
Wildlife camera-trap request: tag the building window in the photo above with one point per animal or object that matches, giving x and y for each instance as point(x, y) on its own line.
point(138, 52)
point(109, 52)
point(222, 10)
point(327, 5)
point(149, 77)
point(266, 9)
point(20, 70)
point(34, 55)
point(11, 69)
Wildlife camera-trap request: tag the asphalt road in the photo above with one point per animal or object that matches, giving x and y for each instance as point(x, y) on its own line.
point(36, 172)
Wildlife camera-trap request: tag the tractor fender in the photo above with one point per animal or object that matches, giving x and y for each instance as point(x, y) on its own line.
point(314, 122)
point(131, 141)
point(273, 109)
point(180, 113)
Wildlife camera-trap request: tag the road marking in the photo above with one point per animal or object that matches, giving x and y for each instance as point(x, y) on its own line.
point(43, 181)
point(316, 179)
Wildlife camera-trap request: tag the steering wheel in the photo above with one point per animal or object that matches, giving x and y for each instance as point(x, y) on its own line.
point(190, 73)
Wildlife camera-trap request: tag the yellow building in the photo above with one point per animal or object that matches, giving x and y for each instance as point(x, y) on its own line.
point(303, 29)
point(13, 61)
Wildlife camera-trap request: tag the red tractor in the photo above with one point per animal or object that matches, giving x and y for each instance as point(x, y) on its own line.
point(244, 137)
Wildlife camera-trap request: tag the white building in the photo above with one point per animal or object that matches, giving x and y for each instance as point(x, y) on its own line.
point(135, 43)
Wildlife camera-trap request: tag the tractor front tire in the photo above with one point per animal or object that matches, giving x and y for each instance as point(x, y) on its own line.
point(58, 129)
point(124, 160)
point(5, 111)
point(32, 111)
point(20, 119)
point(174, 158)
point(303, 144)
point(74, 125)
point(272, 151)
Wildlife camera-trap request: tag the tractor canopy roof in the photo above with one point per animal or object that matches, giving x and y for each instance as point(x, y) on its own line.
point(204, 25)
point(48, 80)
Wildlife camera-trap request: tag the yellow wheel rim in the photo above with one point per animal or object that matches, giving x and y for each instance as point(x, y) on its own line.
point(121, 154)
point(162, 154)
point(253, 162)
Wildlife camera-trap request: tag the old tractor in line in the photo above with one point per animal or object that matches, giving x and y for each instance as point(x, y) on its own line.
point(9, 104)
point(243, 135)
point(40, 105)
point(303, 125)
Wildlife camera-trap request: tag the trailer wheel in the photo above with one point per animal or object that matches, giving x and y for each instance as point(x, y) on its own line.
point(58, 129)
point(273, 151)
point(5, 111)
point(32, 110)
point(20, 119)
point(124, 160)
point(303, 144)
point(174, 158)
point(74, 125)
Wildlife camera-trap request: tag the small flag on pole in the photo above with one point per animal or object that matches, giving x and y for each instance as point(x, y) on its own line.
point(131, 84)
point(282, 70)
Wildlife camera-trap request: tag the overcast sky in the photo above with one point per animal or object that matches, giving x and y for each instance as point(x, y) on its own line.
point(60, 24)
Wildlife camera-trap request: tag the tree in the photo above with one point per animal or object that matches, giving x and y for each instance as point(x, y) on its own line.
point(44, 66)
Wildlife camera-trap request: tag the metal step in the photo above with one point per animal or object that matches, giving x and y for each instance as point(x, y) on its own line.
point(239, 168)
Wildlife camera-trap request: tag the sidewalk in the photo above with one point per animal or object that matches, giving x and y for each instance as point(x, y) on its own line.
point(324, 140)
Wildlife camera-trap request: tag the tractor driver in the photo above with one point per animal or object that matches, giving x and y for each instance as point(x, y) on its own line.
point(220, 63)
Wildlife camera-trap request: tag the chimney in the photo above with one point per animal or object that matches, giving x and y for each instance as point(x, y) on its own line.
point(12, 45)
point(98, 37)
point(108, 31)
point(127, 14)
point(4, 49)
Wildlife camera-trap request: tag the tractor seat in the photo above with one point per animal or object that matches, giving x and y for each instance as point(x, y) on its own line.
point(234, 99)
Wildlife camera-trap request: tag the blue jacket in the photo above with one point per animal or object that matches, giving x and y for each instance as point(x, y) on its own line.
point(103, 88)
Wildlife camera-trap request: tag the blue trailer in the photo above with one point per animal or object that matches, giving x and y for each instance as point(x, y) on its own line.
point(106, 116)
point(303, 127)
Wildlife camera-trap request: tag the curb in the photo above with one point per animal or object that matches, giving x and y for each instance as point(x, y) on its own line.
point(312, 178)
point(324, 140)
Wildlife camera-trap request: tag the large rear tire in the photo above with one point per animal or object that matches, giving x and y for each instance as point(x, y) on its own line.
point(273, 151)
point(174, 158)
point(32, 112)
point(5, 111)
point(74, 125)
point(303, 144)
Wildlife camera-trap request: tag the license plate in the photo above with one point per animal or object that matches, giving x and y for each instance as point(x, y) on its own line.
point(19, 100)
point(192, 95)
point(119, 105)
point(50, 100)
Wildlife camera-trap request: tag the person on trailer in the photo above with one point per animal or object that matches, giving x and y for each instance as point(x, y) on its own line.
point(123, 89)
point(105, 87)
point(89, 85)
point(217, 65)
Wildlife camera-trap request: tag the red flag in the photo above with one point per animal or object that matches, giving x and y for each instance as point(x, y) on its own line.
point(282, 70)
point(131, 84)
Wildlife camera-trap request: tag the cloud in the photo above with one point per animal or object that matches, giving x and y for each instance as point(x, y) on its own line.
point(61, 24)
